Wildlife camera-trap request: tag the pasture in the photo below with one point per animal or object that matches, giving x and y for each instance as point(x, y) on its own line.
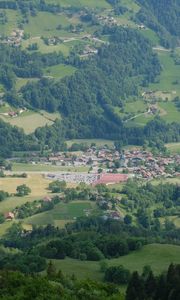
point(63, 212)
point(29, 121)
point(37, 183)
point(22, 167)
point(169, 75)
point(103, 4)
point(59, 71)
point(13, 17)
point(155, 255)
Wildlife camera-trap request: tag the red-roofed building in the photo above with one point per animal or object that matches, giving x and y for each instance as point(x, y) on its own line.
point(47, 199)
point(111, 178)
point(9, 216)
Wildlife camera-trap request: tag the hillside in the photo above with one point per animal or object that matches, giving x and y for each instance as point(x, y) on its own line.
point(54, 56)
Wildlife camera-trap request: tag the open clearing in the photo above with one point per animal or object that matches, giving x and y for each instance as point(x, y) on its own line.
point(173, 147)
point(36, 182)
point(62, 212)
point(59, 71)
point(169, 75)
point(156, 255)
point(30, 121)
point(22, 167)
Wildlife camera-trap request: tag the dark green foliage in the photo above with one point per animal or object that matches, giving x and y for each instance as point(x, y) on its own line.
point(163, 287)
point(23, 190)
point(118, 275)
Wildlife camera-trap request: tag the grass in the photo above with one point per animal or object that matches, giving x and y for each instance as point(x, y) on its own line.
point(45, 23)
point(170, 73)
point(173, 147)
point(20, 82)
point(13, 16)
point(81, 3)
point(23, 167)
point(171, 112)
point(43, 48)
point(30, 121)
point(36, 182)
point(156, 255)
point(60, 71)
point(63, 212)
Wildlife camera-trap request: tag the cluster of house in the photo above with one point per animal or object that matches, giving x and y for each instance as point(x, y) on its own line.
point(106, 20)
point(139, 163)
point(14, 114)
point(15, 38)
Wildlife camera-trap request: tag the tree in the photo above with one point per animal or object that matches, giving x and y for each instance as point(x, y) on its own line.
point(135, 289)
point(23, 190)
point(51, 270)
point(128, 219)
point(57, 186)
point(118, 275)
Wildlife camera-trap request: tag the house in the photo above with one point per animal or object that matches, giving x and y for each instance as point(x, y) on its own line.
point(9, 216)
point(47, 199)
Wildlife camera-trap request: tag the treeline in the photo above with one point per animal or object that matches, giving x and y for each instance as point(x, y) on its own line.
point(163, 17)
point(53, 286)
point(148, 286)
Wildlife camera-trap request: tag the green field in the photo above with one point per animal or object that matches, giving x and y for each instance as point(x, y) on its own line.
point(170, 73)
point(45, 23)
point(82, 3)
point(59, 71)
point(13, 18)
point(157, 256)
point(62, 211)
point(23, 167)
point(171, 113)
point(29, 120)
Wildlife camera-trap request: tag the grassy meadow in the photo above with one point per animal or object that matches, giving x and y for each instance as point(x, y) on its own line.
point(157, 256)
point(30, 120)
point(170, 73)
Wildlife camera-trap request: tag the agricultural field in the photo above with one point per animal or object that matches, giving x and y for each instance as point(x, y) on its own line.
point(103, 4)
point(23, 167)
point(169, 75)
point(155, 255)
point(37, 183)
point(30, 121)
point(63, 212)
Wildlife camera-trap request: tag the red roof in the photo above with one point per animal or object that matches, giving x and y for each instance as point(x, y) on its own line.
point(112, 178)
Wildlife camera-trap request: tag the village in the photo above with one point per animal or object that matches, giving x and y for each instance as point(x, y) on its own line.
point(106, 165)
